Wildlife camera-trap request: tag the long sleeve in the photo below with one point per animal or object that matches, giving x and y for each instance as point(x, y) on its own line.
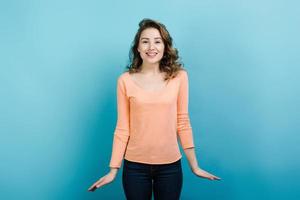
point(121, 133)
point(184, 128)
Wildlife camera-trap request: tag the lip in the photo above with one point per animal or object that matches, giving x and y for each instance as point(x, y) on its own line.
point(152, 54)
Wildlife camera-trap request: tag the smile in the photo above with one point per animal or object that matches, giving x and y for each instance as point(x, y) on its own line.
point(151, 54)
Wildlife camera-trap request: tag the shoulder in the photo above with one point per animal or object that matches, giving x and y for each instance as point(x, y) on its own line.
point(183, 74)
point(123, 77)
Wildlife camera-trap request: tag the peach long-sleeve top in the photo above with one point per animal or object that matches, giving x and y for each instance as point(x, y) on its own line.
point(149, 122)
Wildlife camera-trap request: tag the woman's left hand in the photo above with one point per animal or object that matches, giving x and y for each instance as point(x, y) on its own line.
point(204, 174)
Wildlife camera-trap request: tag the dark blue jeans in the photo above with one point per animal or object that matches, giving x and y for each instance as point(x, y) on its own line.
point(139, 179)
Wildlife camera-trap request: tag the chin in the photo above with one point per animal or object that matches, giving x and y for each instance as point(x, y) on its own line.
point(152, 62)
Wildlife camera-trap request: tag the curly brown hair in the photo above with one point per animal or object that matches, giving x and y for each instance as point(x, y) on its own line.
point(170, 61)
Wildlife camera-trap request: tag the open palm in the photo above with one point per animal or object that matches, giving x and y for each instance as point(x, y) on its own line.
point(204, 174)
point(108, 178)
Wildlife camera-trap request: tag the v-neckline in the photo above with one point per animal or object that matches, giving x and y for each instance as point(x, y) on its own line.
point(144, 90)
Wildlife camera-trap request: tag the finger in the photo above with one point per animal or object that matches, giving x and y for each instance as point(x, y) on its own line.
point(104, 182)
point(216, 178)
point(213, 176)
point(101, 184)
point(94, 185)
point(92, 188)
point(99, 181)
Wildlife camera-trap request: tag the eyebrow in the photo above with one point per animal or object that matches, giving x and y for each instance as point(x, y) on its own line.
point(154, 38)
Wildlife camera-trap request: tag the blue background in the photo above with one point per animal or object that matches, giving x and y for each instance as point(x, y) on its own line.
point(59, 63)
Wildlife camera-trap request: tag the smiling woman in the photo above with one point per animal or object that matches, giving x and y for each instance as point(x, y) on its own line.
point(151, 46)
point(154, 44)
point(152, 97)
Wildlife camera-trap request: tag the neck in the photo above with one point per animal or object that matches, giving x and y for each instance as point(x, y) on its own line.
point(149, 68)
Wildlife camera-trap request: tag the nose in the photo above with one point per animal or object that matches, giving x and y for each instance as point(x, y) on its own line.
point(151, 46)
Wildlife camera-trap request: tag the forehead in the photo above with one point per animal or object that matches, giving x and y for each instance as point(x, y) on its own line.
point(150, 33)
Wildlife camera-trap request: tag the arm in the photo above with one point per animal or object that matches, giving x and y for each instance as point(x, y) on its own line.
point(190, 154)
point(185, 130)
point(121, 134)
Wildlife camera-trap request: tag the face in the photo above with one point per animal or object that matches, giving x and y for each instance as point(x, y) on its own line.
point(151, 46)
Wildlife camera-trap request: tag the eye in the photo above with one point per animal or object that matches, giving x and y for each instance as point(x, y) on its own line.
point(144, 41)
point(157, 42)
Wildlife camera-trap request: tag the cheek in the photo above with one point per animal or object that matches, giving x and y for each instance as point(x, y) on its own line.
point(142, 48)
point(161, 49)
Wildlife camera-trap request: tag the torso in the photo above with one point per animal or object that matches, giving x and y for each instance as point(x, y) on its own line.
point(149, 83)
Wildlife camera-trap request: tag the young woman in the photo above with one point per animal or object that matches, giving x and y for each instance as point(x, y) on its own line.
point(152, 97)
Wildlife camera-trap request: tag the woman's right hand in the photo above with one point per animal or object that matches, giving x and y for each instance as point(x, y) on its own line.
point(108, 178)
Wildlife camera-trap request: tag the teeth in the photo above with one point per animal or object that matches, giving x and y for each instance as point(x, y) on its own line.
point(151, 54)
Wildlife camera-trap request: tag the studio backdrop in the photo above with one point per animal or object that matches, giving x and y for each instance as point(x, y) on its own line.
point(59, 64)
